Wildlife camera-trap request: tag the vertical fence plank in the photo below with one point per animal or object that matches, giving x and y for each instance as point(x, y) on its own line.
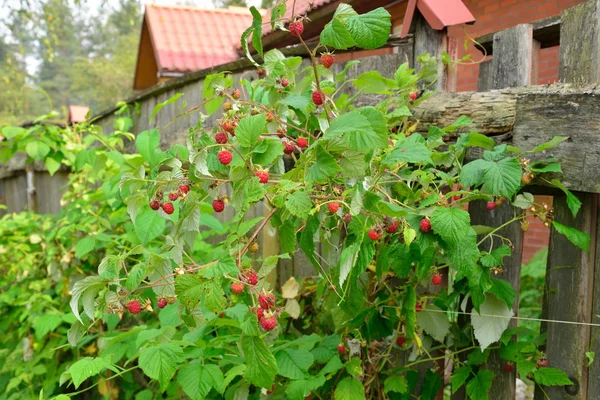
point(513, 57)
point(593, 391)
point(484, 80)
point(433, 42)
point(504, 384)
point(580, 44)
point(569, 289)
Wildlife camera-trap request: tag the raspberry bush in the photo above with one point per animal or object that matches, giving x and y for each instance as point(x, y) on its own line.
point(170, 314)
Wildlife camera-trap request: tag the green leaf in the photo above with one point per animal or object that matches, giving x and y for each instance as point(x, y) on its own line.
point(434, 322)
point(88, 367)
point(197, 379)
point(395, 383)
point(431, 385)
point(551, 377)
point(408, 311)
point(299, 204)
point(148, 226)
point(135, 276)
point(296, 101)
point(254, 190)
point(370, 30)
point(214, 297)
point(75, 333)
point(409, 152)
point(261, 364)
point(256, 31)
point(590, 356)
point(45, 324)
point(552, 143)
point(324, 167)
point(52, 165)
point(459, 377)
point(86, 289)
point(224, 266)
point(524, 201)
point(352, 164)
point(475, 139)
point(573, 202)
point(336, 35)
point(37, 150)
point(109, 267)
point(363, 129)
point(348, 260)
point(294, 363)
point(287, 237)
point(504, 291)
point(277, 14)
point(148, 145)
point(84, 246)
point(159, 106)
point(189, 289)
point(452, 224)
point(493, 321)
point(578, 238)
point(478, 387)
point(160, 362)
point(250, 128)
point(274, 149)
point(349, 389)
point(503, 177)
point(472, 173)
point(373, 82)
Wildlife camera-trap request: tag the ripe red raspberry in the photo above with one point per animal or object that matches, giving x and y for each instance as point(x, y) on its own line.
point(252, 278)
point(425, 225)
point(218, 205)
point(168, 208)
point(225, 157)
point(341, 349)
point(400, 340)
point(327, 59)
point(289, 147)
point(436, 280)
point(272, 389)
point(173, 196)
point(162, 303)
point(413, 96)
point(333, 207)
point(491, 205)
point(392, 228)
point(347, 218)
point(236, 94)
point(418, 307)
point(284, 82)
point(318, 98)
point(260, 313)
point(374, 235)
point(263, 176)
point(302, 142)
point(134, 307)
point(296, 28)
point(268, 323)
point(308, 396)
point(154, 204)
point(266, 300)
point(508, 367)
point(222, 314)
point(221, 138)
point(237, 287)
point(185, 189)
point(228, 127)
point(542, 363)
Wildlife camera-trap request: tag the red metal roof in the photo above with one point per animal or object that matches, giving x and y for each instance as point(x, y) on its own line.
point(78, 113)
point(438, 13)
point(301, 9)
point(189, 39)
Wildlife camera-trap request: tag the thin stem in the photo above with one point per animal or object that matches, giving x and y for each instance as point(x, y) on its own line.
point(314, 65)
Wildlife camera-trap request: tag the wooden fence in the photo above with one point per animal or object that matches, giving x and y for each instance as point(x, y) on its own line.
point(511, 111)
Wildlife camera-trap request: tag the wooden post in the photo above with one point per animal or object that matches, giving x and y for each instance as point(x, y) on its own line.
point(513, 57)
point(569, 289)
point(484, 81)
point(433, 42)
point(594, 369)
point(580, 44)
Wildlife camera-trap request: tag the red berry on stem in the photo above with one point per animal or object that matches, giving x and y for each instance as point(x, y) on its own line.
point(237, 287)
point(268, 323)
point(413, 96)
point(227, 126)
point(221, 138)
point(289, 148)
point(436, 280)
point(508, 367)
point(134, 307)
point(225, 157)
point(218, 205)
point(318, 98)
point(155, 205)
point(392, 228)
point(266, 300)
point(260, 313)
point(296, 28)
point(491, 205)
point(302, 142)
point(374, 235)
point(425, 225)
point(542, 363)
point(284, 82)
point(236, 94)
point(341, 349)
point(418, 307)
point(333, 207)
point(162, 303)
point(252, 278)
point(400, 340)
point(272, 389)
point(185, 189)
point(327, 59)
point(173, 196)
point(263, 176)
point(168, 208)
